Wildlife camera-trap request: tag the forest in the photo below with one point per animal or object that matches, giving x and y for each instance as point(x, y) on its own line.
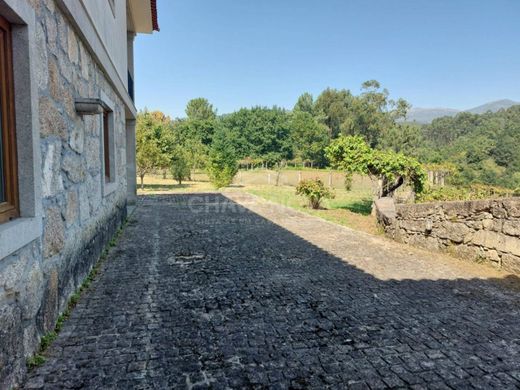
point(471, 149)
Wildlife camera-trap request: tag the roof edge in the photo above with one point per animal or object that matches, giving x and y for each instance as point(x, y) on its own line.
point(155, 23)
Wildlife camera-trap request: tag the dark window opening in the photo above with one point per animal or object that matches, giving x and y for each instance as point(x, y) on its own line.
point(106, 145)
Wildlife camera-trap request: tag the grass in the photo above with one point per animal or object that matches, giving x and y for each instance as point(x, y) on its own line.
point(349, 208)
point(154, 184)
point(46, 340)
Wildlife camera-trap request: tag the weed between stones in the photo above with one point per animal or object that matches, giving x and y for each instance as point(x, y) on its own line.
point(39, 357)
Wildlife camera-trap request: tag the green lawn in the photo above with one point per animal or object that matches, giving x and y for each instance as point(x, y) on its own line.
point(348, 208)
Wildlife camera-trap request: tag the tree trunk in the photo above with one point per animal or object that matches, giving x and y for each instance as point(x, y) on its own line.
point(142, 182)
point(389, 189)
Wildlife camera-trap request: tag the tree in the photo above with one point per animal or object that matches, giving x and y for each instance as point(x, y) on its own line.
point(149, 129)
point(260, 133)
point(373, 113)
point(305, 103)
point(180, 165)
point(404, 138)
point(222, 162)
point(309, 138)
point(200, 109)
point(147, 157)
point(332, 108)
point(388, 169)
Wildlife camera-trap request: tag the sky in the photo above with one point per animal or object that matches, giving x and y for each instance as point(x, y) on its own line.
point(242, 53)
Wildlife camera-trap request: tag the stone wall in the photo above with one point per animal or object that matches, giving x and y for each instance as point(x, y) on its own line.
point(79, 216)
point(483, 230)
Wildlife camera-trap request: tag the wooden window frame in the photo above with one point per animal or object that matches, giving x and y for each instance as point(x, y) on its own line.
point(10, 208)
point(106, 146)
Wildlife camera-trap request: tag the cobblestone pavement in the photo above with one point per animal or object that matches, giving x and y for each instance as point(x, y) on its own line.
point(202, 292)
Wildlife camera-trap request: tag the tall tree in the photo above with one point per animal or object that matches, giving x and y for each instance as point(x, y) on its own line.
point(309, 138)
point(305, 103)
point(200, 109)
point(332, 107)
point(373, 113)
point(149, 156)
point(223, 162)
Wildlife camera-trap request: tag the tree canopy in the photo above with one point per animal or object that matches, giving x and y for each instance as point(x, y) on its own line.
point(370, 125)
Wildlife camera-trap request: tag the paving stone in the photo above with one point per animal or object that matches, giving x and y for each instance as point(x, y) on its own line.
point(202, 293)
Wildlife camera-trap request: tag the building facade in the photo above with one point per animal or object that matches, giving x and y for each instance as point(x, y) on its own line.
point(67, 154)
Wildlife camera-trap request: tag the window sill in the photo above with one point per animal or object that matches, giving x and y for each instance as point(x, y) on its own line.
point(108, 188)
point(18, 233)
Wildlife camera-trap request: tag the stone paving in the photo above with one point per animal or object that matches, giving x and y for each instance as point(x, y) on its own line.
point(204, 291)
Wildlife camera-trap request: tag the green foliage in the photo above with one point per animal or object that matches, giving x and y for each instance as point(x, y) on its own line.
point(309, 138)
point(151, 149)
point(222, 163)
point(260, 133)
point(200, 109)
point(315, 191)
point(180, 168)
point(471, 192)
point(332, 109)
point(35, 361)
point(402, 138)
point(483, 148)
point(305, 103)
point(353, 155)
point(348, 181)
point(371, 114)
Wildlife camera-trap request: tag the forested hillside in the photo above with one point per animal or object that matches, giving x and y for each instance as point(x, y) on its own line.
point(480, 148)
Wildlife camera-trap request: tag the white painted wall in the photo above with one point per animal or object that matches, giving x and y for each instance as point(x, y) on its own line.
point(111, 30)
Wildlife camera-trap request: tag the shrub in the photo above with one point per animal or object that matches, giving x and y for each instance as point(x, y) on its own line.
point(348, 181)
point(314, 190)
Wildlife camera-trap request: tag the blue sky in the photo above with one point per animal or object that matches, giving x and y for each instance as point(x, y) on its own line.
point(240, 53)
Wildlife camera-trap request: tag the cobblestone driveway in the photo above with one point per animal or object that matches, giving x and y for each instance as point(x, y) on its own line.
point(202, 292)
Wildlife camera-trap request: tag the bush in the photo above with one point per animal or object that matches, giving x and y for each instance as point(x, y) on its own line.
point(314, 190)
point(472, 192)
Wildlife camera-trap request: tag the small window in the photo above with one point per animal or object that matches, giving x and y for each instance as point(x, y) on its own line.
point(8, 162)
point(108, 147)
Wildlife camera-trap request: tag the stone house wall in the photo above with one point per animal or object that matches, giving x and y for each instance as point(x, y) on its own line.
point(482, 230)
point(79, 214)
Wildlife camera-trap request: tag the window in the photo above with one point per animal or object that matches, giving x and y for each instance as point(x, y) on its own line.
point(109, 166)
point(106, 145)
point(9, 207)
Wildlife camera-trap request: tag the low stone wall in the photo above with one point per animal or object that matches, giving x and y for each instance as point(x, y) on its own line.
point(483, 230)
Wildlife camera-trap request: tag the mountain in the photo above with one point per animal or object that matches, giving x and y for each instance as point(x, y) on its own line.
point(493, 106)
point(426, 115)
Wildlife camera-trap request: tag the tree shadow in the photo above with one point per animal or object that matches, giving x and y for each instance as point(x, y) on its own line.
point(164, 187)
point(363, 207)
point(241, 302)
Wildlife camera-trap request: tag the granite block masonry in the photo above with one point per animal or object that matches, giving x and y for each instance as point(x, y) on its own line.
point(480, 230)
point(79, 216)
